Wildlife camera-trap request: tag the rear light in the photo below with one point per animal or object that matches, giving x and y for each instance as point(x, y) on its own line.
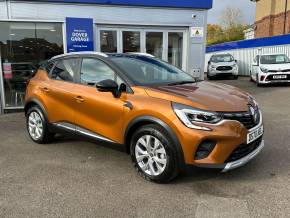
point(262, 78)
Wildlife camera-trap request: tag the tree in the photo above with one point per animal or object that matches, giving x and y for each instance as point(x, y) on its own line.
point(231, 27)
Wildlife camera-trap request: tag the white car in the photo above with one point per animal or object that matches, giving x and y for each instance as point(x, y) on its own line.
point(222, 65)
point(270, 68)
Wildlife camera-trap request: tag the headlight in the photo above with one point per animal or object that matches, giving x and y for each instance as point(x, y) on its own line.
point(192, 117)
point(212, 66)
point(264, 70)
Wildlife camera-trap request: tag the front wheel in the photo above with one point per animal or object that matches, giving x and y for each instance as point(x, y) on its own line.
point(153, 154)
point(37, 126)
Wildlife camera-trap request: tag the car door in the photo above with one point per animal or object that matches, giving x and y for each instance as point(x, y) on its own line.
point(60, 91)
point(98, 114)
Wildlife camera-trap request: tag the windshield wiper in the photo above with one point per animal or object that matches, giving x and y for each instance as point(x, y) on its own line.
point(181, 83)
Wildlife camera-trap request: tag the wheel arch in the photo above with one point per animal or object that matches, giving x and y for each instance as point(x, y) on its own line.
point(34, 102)
point(147, 120)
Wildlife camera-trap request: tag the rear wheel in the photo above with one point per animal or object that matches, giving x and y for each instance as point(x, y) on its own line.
point(153, 154)
point(37, 126)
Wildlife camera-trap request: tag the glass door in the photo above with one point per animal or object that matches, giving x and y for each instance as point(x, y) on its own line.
point(166, 44)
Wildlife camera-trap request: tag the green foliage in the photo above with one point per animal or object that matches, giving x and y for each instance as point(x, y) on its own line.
point(231, 28)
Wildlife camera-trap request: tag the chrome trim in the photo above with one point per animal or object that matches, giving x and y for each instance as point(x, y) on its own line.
point(244, 160)
point(92, 134)
point(81, 130)
point(65, 125)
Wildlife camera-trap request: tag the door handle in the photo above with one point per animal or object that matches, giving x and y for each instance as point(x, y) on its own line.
point(79, 99)
point(44, 89)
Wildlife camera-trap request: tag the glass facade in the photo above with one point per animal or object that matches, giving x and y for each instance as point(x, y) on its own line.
point(108, 40)
point(175, 48)
point(154, 43)
point(23, 46)
point(131, 41)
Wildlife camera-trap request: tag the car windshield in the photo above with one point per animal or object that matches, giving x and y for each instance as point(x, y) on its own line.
point(222, 58)
point(274, 59)
point(150, 71)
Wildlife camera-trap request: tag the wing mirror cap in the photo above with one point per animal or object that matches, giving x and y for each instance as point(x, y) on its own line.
point(109, 85)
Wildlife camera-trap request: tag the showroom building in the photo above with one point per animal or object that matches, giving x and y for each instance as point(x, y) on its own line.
point(34, 31)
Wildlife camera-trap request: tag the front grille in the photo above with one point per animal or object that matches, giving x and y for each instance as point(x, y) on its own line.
point(270, 77)
point(224, 68)
point(243, 150)
point(247, 119)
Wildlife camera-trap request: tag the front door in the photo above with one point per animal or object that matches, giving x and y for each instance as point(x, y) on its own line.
point(98, 114)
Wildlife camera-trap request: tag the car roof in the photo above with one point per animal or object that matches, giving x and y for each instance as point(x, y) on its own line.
point(101, 54)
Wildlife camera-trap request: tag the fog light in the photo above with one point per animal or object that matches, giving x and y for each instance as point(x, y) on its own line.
point(262, 78)
point(204, 149)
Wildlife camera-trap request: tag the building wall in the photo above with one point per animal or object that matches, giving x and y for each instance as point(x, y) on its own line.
point(270, 18)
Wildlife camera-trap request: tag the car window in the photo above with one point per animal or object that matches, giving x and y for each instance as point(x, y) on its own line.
point(94, 71)
point(150, 71)
point(274, 59)
point(222, 58)
point(65, 69)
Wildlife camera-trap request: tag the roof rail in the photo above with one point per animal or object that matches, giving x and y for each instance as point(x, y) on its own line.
point(142, 54)
point(79, 53)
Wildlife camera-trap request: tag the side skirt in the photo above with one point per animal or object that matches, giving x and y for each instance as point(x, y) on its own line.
point(79, 132)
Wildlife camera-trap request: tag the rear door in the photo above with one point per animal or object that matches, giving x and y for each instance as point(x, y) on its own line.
point(60, 91)
point(98, 114)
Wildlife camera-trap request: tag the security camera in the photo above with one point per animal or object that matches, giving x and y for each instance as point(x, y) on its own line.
point(194, 16)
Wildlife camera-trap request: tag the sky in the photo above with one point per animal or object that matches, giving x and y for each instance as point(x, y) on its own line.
point(247, 7)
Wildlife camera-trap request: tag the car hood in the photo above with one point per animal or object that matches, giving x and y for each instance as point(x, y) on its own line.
point(204, 95)
point(277, 67)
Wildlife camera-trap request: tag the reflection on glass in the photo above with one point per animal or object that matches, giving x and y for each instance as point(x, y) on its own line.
point(23, 46)
point(131, 41)
point(154, 42)
point(108, 40)
point(175, 45)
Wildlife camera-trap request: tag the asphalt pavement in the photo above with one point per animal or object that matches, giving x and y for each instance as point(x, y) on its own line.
point(76, 178)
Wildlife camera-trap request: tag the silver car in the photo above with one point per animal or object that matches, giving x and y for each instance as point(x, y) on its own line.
point(222, 65)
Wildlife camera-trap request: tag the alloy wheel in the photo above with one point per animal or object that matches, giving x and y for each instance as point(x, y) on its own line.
point(150, 155)
point(35, 125)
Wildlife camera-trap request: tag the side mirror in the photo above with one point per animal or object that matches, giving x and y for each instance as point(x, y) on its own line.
point(208, 62)
point(236, 61)
point(108, 85)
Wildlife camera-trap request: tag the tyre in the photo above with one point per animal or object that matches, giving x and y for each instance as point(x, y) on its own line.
point(236, 77)
point(209, 77)
point(154, 154)
point(257, 82)
point(37, 126)
point(251, 78)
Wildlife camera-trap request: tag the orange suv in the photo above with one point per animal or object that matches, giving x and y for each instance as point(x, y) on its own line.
point(164, 118)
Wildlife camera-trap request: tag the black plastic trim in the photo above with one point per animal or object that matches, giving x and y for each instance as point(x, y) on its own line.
point(180, 155)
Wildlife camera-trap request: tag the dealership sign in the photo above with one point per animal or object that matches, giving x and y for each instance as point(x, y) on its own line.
point(79, 34)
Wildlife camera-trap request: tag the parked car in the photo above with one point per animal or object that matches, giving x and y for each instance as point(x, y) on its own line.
point(222, 65)
point(270, 68)
point(162, 117)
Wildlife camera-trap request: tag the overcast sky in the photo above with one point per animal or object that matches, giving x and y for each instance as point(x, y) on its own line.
point(247, 7)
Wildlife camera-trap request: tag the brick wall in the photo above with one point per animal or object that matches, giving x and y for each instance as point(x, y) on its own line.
point(272, 25)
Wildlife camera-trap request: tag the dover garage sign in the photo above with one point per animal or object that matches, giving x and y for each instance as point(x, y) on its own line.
point(79, 34)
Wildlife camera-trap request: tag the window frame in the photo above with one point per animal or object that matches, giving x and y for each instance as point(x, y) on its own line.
point(111, 66)
point(77, 70)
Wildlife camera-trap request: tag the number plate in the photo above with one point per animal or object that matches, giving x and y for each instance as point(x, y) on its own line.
point(252, 136)
point(280, 77)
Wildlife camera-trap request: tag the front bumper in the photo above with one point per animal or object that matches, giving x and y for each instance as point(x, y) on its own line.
point(214, 72)
point(241, 162)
